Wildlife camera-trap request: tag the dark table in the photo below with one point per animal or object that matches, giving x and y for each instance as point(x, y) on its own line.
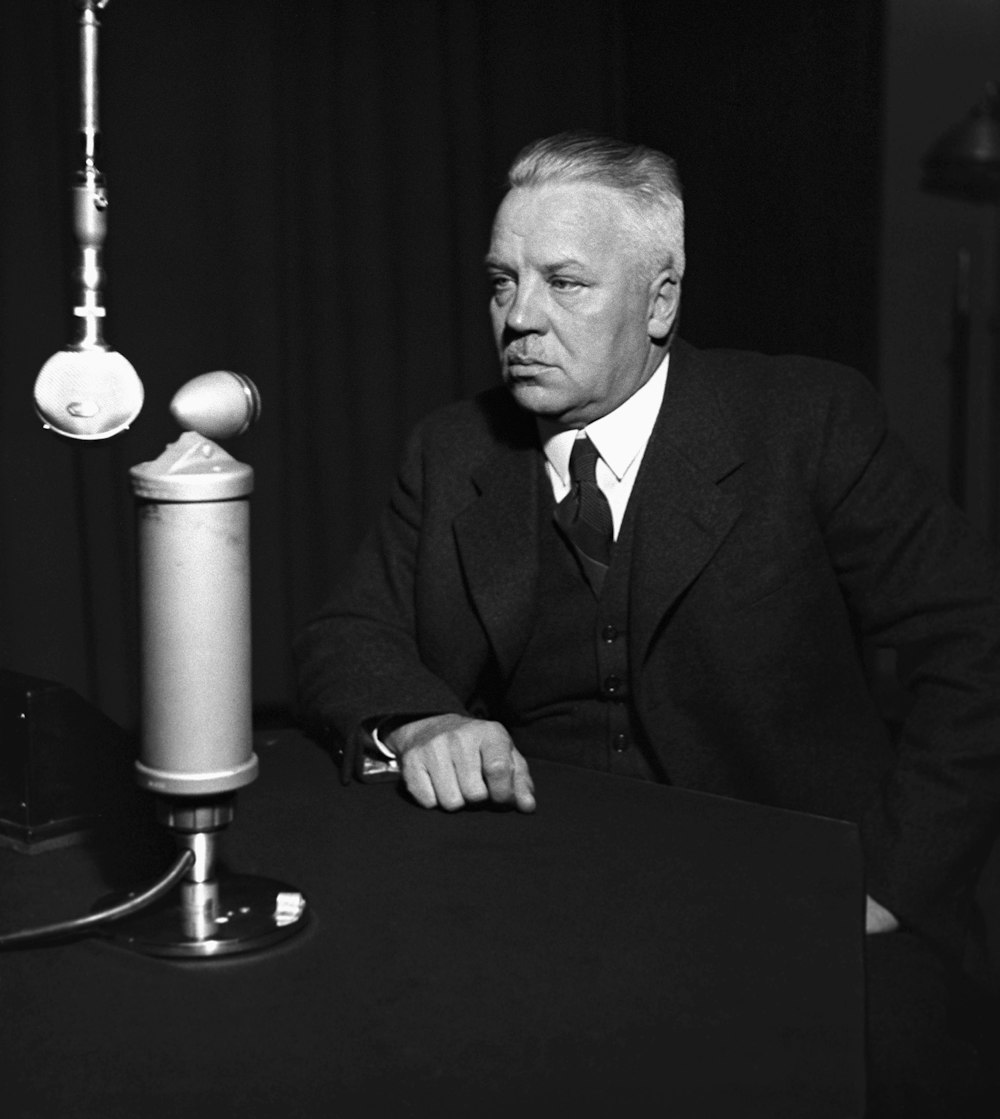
point(629, 949)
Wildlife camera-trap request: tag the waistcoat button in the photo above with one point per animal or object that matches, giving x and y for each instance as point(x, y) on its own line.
point(609, 634)
point(619, 743)
point(612, 685)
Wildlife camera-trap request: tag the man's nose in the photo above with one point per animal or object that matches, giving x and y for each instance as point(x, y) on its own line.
point(526, 314)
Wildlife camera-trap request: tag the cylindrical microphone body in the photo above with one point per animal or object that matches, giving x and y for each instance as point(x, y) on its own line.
point(193, 513)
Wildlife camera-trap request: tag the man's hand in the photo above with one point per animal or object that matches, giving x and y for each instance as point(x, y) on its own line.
point(878, 919)
point(452, 760)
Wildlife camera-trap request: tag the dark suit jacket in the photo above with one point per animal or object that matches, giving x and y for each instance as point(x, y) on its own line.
point(778, 526)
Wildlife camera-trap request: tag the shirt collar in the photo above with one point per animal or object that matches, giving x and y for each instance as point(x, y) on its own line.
point(619, 436)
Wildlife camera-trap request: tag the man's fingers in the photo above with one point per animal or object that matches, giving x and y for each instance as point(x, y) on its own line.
point(444, 776)
point(432, 776)
point(418, 783)
point(507, 776)
point(469, 772)
point(524, 787)
point(497, 763)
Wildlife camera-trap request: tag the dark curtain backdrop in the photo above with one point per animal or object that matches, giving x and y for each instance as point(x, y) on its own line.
point(302, 190)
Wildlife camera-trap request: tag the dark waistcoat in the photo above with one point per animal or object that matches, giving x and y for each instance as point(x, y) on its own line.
point(568, 699)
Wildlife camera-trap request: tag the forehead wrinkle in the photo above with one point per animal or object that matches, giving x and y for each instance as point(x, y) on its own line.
point(558, 261)
point(555, 226)
point(564, 262)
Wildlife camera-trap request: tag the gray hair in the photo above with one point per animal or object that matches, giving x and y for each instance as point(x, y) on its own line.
point(646, 177)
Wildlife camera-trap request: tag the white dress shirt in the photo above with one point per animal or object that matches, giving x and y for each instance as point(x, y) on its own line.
point(620, 438)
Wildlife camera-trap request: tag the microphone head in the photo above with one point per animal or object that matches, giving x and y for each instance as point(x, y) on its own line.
point(88, 394)
point(217, 405)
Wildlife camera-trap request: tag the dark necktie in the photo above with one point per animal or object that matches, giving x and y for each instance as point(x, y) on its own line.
point(584, 515)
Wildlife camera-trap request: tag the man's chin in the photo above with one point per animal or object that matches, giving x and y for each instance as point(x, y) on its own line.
point(536, 399)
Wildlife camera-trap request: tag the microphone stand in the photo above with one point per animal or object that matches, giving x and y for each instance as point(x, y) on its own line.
point(214, 912)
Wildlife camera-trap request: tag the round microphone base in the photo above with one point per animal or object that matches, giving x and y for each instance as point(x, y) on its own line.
point(228, 915)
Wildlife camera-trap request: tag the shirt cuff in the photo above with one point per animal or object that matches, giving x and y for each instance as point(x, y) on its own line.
point(379, 744)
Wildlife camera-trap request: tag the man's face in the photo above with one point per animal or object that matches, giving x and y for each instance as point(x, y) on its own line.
point(571, 308)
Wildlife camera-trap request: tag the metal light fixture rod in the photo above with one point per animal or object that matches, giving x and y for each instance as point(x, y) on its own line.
point(88, 391)
point(90, 197)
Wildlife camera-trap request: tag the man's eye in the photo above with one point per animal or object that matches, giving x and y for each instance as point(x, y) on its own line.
point(561, 283)
point(501, 283)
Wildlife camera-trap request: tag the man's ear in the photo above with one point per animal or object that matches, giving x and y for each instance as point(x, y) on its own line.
point(664, 300)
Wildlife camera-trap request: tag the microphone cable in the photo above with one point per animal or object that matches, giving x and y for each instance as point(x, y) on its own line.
point(27, 937)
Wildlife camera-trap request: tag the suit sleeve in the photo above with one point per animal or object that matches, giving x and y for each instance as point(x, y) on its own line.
point(358, 660)
point(919, 578)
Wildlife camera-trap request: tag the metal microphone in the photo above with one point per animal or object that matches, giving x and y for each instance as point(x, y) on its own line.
point(194, 577)
point(196, 753)
point(87, 390)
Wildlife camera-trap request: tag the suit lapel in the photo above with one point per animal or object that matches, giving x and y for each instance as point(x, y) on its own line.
point(497, 538)
point(681, 514)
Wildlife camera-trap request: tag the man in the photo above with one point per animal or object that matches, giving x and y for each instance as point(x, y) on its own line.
point(663, 563)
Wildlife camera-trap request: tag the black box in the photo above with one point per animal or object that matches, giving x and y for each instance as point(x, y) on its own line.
point(64, 765)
